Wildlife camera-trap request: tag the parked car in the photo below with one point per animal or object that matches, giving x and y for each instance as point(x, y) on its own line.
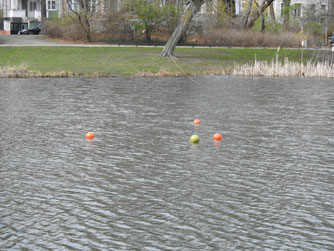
point(32, 31)
point(331, 41)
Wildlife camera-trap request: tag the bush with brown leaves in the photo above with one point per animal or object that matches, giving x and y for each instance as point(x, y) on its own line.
point(244, 38)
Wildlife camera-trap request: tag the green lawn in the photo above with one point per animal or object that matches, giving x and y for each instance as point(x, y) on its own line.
point(129, 61)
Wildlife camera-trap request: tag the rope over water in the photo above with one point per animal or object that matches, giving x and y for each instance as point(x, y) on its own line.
point(187, 75)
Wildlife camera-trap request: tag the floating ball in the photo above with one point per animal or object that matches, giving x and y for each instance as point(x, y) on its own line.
point(194, 139)
point(197, 121)
point(90, 135)
point(217, 136)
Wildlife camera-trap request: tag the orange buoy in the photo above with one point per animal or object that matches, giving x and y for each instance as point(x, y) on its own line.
point(197, 121)
point(217, 136)
point(90, 135)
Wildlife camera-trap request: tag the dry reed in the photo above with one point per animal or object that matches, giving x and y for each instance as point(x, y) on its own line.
point(160, 73)
point(21, 71)
point(285, 68)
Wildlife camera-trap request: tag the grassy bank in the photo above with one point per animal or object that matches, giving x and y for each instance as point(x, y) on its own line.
point(131, 61)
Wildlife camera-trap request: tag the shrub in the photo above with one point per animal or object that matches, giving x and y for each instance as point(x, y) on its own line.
point(118, 26)
point(272, 26)
point(53, 28)
point(148, 15)
point(314, 29)
point(242, 38)
point(63, 28)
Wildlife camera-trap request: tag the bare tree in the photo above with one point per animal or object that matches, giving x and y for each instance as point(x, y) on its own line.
point(260, 11)
point(192, 7)
point(81, 16)
point(263, 7)
point(249, 8)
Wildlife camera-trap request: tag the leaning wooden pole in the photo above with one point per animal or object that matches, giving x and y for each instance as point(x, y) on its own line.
point(190, 10)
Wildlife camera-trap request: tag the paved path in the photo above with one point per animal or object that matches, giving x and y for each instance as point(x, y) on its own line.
point(40, 40)
point(25, 40)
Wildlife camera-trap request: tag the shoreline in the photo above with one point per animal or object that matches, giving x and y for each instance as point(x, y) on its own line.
point(90, 62)
point(239, 71)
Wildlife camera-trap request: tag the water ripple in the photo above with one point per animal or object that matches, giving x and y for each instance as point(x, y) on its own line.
point(140, 184)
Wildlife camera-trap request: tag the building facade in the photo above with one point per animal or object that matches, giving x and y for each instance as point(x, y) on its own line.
point(299, 10)
point(19, 14)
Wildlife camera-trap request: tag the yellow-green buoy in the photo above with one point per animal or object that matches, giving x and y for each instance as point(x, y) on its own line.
point(194, 139)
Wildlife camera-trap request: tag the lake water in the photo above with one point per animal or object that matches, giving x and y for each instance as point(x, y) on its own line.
point(140, 184)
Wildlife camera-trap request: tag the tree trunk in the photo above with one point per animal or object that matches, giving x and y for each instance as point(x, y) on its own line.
point(84, 24)
point(262, 21)
point(88, 33)
point(148, 32)
point(286, 13)
point(260, 11)
point(82, 5)
point(272, 12)
point(331, 8)
point(256, 15)
point(192, 7)
point(250, 4)
point(43, 11)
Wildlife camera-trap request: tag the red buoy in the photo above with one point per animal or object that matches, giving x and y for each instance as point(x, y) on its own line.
point(217, 136)
point(197, 121)
point(90, 135)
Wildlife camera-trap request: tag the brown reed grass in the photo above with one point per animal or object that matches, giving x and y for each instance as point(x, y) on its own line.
point(21, 71)
point(285, 68)
point(160, 73)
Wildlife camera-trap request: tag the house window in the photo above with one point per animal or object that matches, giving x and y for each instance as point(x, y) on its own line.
point(92, 5)
point(51, 4)
point(282, 9)
point(244, 6)
point(312, 9)
point(32, 6)
point(323, 7)
point(296, 12)
point(73, 5)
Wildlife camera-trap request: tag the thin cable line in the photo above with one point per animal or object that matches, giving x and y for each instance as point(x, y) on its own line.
point(184, 72)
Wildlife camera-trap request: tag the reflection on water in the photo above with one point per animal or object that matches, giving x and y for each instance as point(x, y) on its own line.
point(140, 184)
